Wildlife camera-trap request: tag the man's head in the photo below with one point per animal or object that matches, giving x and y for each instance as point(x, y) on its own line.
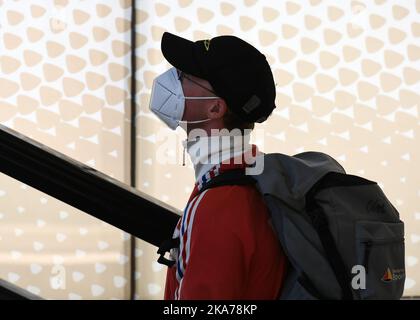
point(232, 76)
point(212, 110)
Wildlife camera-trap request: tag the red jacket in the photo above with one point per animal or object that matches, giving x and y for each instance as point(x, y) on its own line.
point(228, 249)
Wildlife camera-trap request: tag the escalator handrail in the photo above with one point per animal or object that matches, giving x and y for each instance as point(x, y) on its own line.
point(9, 291)
point(85, 188)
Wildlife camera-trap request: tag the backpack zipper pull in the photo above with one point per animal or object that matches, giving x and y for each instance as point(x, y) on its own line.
point(368, 247)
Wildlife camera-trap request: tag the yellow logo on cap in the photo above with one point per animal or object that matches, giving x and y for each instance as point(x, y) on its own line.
point(207, 44)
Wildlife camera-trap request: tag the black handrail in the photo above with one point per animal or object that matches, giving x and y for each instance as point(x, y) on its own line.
point(9, 291)
point(85, 188)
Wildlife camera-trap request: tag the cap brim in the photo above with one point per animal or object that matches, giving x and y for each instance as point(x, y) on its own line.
point(179, 52)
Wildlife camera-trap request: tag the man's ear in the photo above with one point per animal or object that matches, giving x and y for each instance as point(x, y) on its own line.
point(217, 110)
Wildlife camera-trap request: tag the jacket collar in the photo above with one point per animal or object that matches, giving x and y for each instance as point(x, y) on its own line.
point(243, 160)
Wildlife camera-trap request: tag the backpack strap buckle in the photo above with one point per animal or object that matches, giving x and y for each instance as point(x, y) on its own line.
point(166, 246)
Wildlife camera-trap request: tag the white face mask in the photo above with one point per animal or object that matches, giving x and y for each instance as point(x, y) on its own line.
point(168, 101)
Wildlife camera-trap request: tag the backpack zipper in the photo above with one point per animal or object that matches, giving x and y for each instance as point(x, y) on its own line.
point(370, 243)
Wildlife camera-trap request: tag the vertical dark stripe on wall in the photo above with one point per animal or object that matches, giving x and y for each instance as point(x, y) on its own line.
point(133, 143)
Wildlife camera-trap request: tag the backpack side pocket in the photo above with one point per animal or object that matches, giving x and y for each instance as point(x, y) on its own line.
point(380, 250)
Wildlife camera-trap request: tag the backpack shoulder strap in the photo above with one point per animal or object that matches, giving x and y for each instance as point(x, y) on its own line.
point(231, 177)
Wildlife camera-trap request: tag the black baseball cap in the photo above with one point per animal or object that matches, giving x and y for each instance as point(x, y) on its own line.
point(237, 71)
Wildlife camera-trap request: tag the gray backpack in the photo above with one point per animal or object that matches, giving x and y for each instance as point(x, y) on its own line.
point(342, 236)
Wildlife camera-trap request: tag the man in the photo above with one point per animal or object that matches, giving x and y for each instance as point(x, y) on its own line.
point(227, 247)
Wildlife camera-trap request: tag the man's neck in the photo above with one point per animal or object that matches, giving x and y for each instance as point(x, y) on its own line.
point(209, 151)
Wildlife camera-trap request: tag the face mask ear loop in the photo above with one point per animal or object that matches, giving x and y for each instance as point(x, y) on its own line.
point(183, 157)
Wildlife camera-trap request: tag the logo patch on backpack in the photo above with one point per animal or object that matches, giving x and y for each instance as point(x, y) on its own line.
point(394, 275)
